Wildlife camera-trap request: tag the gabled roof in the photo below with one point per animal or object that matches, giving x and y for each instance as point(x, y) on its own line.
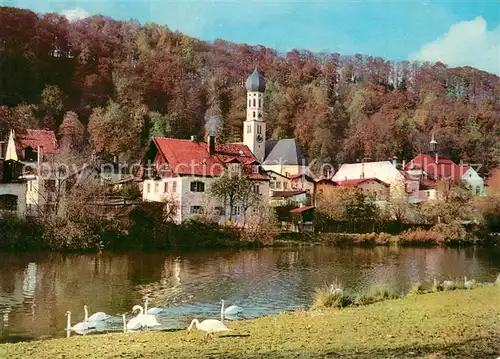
point(303, 175)
point(357, 182)
point(186, 157)
point(34, 138)
point(383, 170)
point(284, 152)
point(302, 209)
point(286, 194)
point(271, 172)
point(443, 168)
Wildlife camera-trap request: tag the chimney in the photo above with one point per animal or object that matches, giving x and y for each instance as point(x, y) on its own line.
point(211, 144)
point(395, 161)
point(436, 158)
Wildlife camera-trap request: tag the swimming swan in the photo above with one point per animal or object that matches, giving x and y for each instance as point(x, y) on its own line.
point(231, 310)
point(96, 317)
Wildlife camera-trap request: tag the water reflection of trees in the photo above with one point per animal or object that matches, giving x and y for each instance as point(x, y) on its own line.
point(36, 290)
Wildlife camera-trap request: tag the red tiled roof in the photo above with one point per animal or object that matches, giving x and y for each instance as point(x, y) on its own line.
point(301, 175)
point(186, 157)
point(302, 209)
point(34, 138)
point(358, 181)
point(444, 168)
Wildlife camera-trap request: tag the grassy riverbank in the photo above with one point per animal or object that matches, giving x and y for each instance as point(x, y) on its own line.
point(455, 324)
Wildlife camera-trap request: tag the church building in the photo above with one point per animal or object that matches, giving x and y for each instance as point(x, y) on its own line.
point(284, 156)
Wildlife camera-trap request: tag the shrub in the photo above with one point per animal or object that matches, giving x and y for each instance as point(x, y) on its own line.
point(421, 237)
point(375, 293)
point(417, 288)
point(451, 232)
point(332, 296)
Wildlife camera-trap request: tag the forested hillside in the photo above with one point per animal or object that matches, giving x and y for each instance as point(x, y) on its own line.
point(127, 82)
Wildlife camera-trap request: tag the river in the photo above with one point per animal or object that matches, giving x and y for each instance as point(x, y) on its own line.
point(37, 289)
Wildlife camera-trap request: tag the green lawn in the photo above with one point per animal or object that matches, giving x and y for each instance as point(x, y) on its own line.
point(456, 324)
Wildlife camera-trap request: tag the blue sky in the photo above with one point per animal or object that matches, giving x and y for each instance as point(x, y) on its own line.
point(455, 32)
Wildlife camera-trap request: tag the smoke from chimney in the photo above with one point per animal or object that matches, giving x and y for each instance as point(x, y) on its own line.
point(211, 125)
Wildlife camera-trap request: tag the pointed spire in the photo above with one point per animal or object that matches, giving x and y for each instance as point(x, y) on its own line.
point(433, 140)
point(11, 153)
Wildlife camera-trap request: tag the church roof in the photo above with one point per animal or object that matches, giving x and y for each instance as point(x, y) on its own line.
point(255, 82)
point(284, 152)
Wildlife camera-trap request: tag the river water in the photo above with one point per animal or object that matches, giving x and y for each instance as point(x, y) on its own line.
point(37, 289)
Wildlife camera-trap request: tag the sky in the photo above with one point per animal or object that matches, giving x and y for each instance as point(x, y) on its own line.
point(455, 32)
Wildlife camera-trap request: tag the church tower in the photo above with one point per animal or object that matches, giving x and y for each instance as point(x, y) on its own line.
point(254, 127)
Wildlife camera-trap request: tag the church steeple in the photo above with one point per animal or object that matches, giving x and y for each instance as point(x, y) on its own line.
point(432, 144)
point(254, 127)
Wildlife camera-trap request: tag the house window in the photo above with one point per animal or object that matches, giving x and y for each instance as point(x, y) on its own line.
point(249, 128)
point(165, 187)
point(196, 209)
point(234, 167)
point(148, 188)
point(8, 202)
point(278, 185)
point(157, 187)
point(236, 211)
point(197, 186)
point(221, 211)
point(272, 185)
point(256, 188)
point(174, 187)
point(285, 185)
point(478, 190)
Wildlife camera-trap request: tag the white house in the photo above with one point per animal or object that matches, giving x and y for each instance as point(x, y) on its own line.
point(182, 171)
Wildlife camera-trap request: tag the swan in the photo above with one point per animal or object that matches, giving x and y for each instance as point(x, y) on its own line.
point(96, 317)
point(209, 326)
point(133, 324)
point(145, 320)
point(231, 310)
point(448, 283)
point(78, 327)
point(154, 310)
point(337, 290)
point(469, 283)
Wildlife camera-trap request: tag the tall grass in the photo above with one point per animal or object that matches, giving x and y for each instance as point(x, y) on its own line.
point(376, 293)
point(331, 296)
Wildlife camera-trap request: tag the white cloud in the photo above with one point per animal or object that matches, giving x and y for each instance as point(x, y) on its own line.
point(75, 14)
point(467, 43)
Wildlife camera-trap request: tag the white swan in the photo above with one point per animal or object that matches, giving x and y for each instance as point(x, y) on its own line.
point(231, 310)
point(96, 317)
point(134, 323)
point(154, 310)
point(78, 327)
point(336, 290)
point(145, 320)
point(469, 283)
point(209, 326)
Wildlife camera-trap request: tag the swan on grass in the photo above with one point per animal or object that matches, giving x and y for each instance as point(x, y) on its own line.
point(231, 310)
point(154, 310)
point(209, 326)
point(141, 320)
point(80, 327)
point(469, 283)
point(96, 317)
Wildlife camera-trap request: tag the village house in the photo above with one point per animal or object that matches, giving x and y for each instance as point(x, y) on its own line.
point(433, 167)
point(182, 171)
point(12, 189)
point(30, 157)
point(377, 189)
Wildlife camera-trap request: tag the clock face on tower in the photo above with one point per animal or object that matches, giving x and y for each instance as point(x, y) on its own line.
point(260, 138)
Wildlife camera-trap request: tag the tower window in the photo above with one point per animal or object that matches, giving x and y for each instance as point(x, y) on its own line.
point(249, 102)
point(249, 128)
point(254, 103)
point(260, 103)
point(259, 130)
point(254, 114)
